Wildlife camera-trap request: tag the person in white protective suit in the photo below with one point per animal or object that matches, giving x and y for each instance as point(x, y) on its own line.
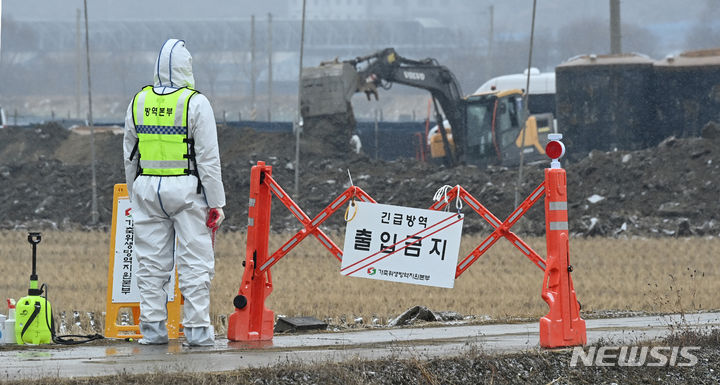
point(355, 143)
point(172, 170)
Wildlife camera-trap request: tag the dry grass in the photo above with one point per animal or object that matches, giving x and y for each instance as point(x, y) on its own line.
point(654, 275)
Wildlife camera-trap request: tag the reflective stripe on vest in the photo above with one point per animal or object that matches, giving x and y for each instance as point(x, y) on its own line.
point(161, 126)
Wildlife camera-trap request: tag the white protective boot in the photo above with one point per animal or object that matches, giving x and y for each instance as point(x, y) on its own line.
point(154, 333)
point(199, 336)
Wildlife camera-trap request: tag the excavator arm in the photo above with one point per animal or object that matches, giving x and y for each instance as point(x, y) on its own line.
point(327, 89)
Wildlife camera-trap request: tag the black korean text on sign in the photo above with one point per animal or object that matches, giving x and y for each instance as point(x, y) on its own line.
point(127, 257)
point(422, 221)
point(410, 220)
point(387, 246)
point(397, 219)
point(126, 279)
point(436, 248)
point(362, 239)
point(413, 245)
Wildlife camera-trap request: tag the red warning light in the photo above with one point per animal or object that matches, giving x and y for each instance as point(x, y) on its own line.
point(555, 149)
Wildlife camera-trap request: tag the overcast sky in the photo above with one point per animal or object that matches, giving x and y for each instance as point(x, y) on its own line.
point(64, 10)
point(551, 13)
point(564, 28)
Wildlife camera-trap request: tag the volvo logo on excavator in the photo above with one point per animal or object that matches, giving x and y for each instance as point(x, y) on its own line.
point(414, 75)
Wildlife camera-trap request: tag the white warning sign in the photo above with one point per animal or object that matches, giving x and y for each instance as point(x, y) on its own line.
point(402, 244)
point(125, 289)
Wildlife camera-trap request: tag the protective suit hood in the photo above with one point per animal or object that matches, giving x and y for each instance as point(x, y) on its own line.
point(173, 67)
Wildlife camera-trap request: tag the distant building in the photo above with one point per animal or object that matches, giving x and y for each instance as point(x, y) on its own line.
point(431, 11)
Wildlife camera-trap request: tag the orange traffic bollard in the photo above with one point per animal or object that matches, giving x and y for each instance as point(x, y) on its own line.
point(562, 326)
point(251, 319)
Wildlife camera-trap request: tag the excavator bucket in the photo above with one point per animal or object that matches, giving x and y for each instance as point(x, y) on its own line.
point(327, 89)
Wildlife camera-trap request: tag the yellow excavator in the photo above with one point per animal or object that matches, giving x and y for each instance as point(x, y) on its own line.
point(484, 128)
point(494, 132)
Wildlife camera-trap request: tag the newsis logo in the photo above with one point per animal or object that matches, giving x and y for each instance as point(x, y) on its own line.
point(127, 212)
point(371, 271)
point(634, 356)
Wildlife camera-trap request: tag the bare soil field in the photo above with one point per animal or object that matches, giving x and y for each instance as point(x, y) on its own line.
point(666, 191)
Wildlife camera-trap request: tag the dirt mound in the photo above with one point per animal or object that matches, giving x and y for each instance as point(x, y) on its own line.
point(669, 190)
point(329, 135)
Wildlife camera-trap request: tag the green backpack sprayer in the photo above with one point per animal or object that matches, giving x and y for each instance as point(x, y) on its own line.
point(33, 314)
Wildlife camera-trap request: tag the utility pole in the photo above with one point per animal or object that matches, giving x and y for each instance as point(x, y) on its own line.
point(93, 210)
point(615, 32)
point(298, 119)
point(526, 109)
point(269, 79)
point(491, 37)
point(78, 62)
point(252, 68)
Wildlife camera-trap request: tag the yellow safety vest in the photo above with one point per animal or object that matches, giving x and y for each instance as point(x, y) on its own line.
point(161, 124)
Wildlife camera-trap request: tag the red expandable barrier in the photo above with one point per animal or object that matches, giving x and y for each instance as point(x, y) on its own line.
point(562, 326)
point(501, 229)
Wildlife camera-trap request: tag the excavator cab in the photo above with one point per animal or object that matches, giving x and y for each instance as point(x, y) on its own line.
point(480, 113)
point(495, 126)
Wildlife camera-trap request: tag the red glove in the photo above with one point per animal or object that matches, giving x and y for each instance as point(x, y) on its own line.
point(215, 218)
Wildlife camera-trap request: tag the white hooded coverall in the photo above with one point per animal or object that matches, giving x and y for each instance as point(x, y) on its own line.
point(164, 207)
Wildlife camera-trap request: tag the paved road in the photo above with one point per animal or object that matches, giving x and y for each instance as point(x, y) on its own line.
point(129, 357)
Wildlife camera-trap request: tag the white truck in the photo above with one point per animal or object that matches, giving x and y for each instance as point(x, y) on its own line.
point(541, 98)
